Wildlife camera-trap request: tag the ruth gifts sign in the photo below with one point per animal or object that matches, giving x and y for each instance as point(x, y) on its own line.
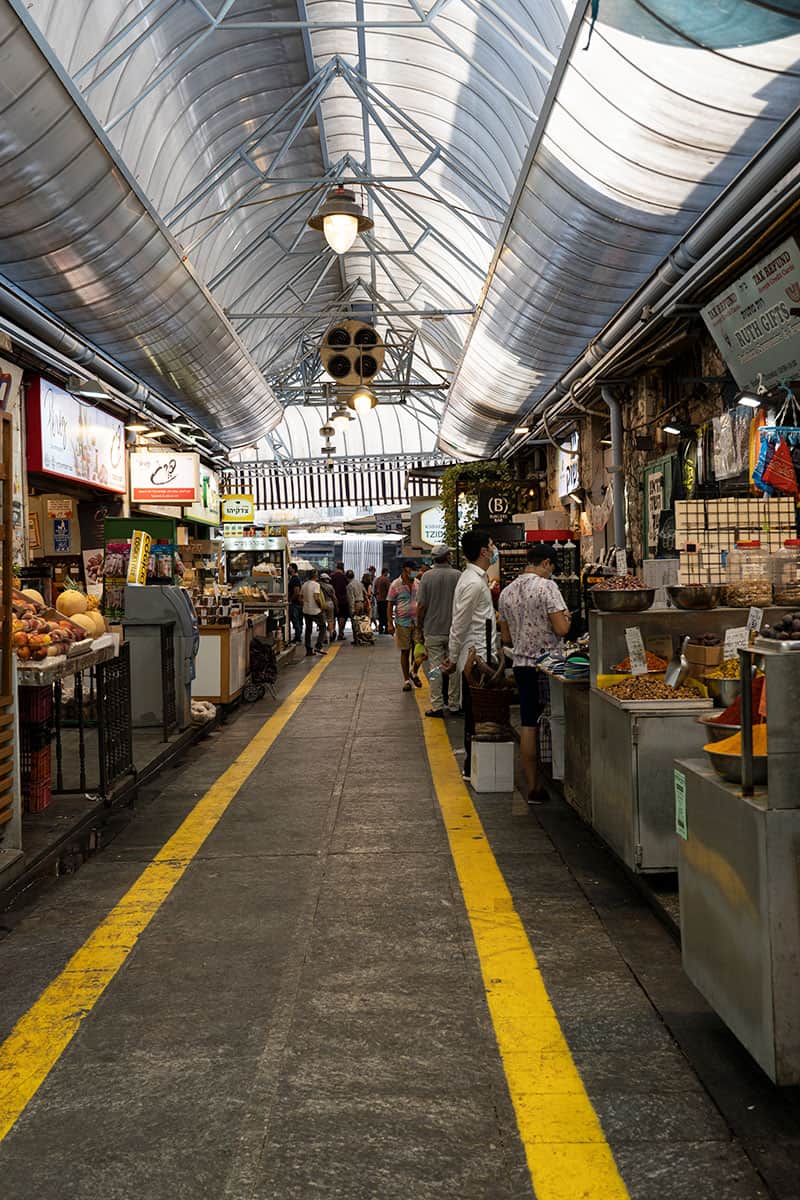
point(165, 477)
point(751, 320)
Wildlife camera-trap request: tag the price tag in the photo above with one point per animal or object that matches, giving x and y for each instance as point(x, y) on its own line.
point(755, 620)
point(621, 562)
point(735, 640)
point(636, 651)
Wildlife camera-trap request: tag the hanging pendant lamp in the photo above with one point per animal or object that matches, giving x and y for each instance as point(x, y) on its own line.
point(341, 219)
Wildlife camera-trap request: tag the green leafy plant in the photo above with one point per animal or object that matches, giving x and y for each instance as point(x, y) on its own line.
point(465, 480)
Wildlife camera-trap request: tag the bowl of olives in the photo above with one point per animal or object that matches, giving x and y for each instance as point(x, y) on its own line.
point(783, 635)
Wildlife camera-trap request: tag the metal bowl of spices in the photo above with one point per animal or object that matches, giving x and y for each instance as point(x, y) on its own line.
point(694, 595)
point(623, 600)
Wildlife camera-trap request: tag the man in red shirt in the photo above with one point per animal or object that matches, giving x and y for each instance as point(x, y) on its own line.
point(339, 584)
point(381, 591)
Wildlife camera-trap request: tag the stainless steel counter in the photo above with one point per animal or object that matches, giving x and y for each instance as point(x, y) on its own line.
point(739, 879)
point(740, 914)
point(632, 756)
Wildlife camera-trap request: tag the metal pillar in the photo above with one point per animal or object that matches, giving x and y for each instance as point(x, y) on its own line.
point(616, 469)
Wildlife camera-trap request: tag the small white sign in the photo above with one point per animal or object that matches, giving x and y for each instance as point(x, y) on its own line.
point(636, 651)
point(431, 526)
point(736, 640)
point(621, 562)
point(164, 477)
point(568, 465)
point(681, 826)
point(755, 619)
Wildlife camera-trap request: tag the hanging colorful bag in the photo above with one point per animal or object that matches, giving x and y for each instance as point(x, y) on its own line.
point(764, 458)
point(779, 472)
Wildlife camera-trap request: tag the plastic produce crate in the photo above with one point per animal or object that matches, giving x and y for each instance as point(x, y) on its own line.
point(35, 704)
point(37, 796)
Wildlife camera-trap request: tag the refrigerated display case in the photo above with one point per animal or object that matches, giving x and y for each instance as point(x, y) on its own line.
point(256, 569)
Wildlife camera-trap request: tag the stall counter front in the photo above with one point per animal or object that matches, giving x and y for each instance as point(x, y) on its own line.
point(740, 885)
point(221, 667)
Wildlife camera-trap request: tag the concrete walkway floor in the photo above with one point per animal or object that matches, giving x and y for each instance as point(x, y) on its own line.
point(291, 998)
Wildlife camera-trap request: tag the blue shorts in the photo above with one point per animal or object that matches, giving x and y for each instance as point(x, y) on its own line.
point(530, 707)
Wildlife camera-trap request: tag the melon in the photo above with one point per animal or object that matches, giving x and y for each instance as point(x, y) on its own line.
point(86, 622)
point(71, 602)
point(99, 622)
point(32, 594)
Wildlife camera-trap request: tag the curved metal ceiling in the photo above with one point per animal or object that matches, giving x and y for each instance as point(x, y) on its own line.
point(80, 239)
point(235, 116)
point(671, 100)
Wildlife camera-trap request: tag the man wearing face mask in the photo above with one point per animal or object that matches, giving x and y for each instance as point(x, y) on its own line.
point(402, 618)
point(472, 608)
point(533, 619)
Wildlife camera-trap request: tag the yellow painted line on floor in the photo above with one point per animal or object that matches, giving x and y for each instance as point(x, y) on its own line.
point(568, 1155)
point(40, 1037)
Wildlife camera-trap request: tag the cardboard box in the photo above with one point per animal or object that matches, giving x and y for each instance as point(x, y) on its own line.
point(702, 657)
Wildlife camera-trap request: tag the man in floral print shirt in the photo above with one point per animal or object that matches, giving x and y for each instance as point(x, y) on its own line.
point(533, 619)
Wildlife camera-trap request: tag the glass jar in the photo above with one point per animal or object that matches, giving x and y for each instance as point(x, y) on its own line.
point(748, 576)
point(786, 573)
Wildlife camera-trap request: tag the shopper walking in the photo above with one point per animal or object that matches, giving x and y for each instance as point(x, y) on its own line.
point(402, 615)
point(339, 581)
point(381, 591)
point(356, 599)
point(473, 614)
point(295, 604)
point(313, 613)
point(435, 591)
point(329, 596)
point(533, 619)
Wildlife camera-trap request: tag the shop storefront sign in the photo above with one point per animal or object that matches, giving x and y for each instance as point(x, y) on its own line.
point(164, 477)
point(431, 526)
point(206, 510)
point(568, 466)
point(74, 440)
point(751, 321)
point(494, 506)
point(238, 509)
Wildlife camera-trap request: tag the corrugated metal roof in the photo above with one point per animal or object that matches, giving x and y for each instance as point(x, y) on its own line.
point(79, 238)
point(235, 115)
point(649, 125)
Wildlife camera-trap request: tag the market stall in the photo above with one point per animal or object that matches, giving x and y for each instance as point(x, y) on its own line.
point(636, 736)
point(737, 814)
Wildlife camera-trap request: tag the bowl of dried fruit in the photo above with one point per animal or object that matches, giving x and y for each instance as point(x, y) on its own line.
point(622, 593)
point(691, 596)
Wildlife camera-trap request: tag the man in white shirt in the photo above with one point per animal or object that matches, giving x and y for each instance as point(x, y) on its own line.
point(533, 619)
point(472, 609)
point(313, 613)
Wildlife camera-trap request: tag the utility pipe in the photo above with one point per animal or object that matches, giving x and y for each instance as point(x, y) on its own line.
point(746, 206)
point(616, 470)
point(40, 326)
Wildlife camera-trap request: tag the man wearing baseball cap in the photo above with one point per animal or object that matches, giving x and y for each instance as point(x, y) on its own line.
point(434, 614)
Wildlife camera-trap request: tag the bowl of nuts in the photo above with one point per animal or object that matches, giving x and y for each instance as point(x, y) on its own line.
point(694, 595)
point(622, 593)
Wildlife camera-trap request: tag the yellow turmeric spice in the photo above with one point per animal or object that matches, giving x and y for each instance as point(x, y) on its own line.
point(733, 745)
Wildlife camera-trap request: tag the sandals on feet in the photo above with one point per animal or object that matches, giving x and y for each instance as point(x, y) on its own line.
point(407, 686)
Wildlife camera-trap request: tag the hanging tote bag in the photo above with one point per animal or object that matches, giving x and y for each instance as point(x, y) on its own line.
point(779, 472)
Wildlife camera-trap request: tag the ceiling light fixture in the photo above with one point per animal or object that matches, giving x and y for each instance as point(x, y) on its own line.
point(138, 427)
point(88, 389)
point(341, 219)
point(362, 399)
point(674, 429)
point(341, 419)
